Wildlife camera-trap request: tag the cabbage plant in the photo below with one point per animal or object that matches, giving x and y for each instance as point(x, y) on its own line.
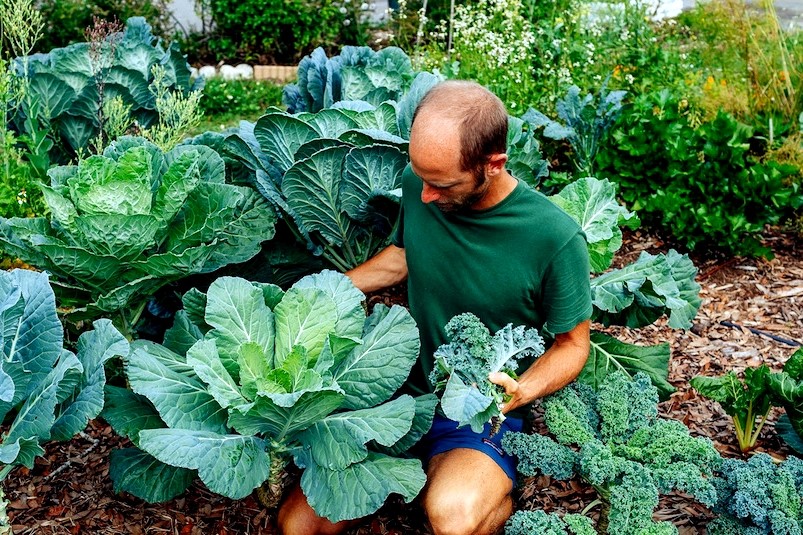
point(65, 84)
point(46, 391)
point(251, 378)
point(127, 222)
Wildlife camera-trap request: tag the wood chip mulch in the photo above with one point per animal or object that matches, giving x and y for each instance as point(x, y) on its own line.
point(68, 491)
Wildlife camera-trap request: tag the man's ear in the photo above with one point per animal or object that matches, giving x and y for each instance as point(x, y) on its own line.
point(496, 164)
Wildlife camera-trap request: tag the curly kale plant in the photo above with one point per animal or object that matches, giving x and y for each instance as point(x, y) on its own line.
point(541, 523)
point(614, 440)
point(462, 367)
point(759, 497)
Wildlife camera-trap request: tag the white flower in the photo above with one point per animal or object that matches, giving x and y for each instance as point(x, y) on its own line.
point(346, 22)
point(343, 10)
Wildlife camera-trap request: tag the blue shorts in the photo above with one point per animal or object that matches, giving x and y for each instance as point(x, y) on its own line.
point(444, 435)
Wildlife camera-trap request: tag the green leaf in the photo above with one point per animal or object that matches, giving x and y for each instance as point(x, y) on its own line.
point(373, 371)
point(347, 298)
point(340, 440)
point(204, 359)
point(465, 404)
point(592, 203)
point(254, 369)
point(280, 135)
point(231, 465)
point(183, 334)
point(95, 349)
point(135, 472)
point(124, 237)
point(362, 488)
point(792, 438)
point(304, 317)
point(280, 422)
point(371, 172)
point(608, 355)
point(236, 310)
point(422, 421)
point(182, 401)
point(182, 176)
point(129, 413)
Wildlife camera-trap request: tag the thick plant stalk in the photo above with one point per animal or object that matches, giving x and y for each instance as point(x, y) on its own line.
point(270, 493)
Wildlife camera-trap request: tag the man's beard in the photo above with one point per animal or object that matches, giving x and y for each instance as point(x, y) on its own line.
point(466, 201)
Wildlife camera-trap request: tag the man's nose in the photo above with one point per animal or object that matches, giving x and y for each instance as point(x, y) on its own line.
point(429, 194)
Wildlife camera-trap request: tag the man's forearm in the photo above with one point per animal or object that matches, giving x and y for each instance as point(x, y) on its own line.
point(387, 268)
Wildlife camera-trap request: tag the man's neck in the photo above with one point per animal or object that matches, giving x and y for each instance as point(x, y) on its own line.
point(497, 192)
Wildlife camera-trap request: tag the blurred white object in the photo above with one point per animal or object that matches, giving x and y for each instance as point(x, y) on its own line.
point(227, 72)
point(245, 71)
point(207, 71)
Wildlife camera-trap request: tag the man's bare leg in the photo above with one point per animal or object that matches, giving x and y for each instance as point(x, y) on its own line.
point(467, 493)
point(296, 517)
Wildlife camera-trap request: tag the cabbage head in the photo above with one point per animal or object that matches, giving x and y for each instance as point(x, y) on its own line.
point(127, 222)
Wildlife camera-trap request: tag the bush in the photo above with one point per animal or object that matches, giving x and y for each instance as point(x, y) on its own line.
point(239, 97)
point(282, 31)
point(697, 180)
point(66, 20)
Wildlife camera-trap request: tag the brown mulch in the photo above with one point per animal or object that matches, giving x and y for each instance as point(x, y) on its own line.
point(69, 491)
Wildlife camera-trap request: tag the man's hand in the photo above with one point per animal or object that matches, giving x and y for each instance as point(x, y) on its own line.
point(512, 389)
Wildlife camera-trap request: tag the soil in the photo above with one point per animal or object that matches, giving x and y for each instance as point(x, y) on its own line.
point(69, 490)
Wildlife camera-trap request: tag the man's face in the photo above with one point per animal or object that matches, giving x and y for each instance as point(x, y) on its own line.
point(435, 158)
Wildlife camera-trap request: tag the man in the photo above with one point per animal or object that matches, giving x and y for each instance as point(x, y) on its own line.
point(472, 238)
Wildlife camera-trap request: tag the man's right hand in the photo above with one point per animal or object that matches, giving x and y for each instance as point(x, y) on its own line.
point(388, 268)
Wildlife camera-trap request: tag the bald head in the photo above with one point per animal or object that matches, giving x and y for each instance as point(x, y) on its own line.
point(471, 113)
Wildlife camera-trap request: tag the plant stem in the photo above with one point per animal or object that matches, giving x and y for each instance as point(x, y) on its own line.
point(5, 471)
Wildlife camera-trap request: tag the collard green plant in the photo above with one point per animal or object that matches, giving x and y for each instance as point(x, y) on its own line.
point(251, 378)
point(586, 123)
point(615, 441)
point(462, 367)
point(758, 496)
point(357, 73)
point(634, 296)
point(71, 84)
point(125, 223)
point(46, 392)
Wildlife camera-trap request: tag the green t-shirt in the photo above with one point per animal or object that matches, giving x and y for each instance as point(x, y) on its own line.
point(523, 261)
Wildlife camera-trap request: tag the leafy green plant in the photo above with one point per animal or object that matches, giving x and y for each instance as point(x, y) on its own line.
point(46, 391)
point(71, 85)
point(586, 123)
point(614, 440)
point(250, 377)
point(462, 367)
point(357, 73)
point(238, 98)
point(541, 523)
point(698, 182)
point(635, 295)
point(758, 496)
point(126, 223)
point(745, 401)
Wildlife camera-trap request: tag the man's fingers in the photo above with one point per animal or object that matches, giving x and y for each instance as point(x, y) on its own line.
point(505, 381)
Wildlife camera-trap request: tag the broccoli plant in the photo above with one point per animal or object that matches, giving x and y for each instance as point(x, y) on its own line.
point(541, 523)
point(462, 367)
point(614, 440)
point(758, 497)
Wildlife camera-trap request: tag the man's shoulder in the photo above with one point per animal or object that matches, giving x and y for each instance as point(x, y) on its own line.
point(546, 216)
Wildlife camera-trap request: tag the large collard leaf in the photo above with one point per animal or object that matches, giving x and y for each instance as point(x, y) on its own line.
point(372, 175)
point(608, 355)
point(269, 418)
point(312, 190)
point(330, 123)
point(237, 313)
point(182, 400)
point(131, 469)
point(367, 485)
point(141, 474)
point(592, 203)
point(422, 421)
point(280, 136)
point(524, 153)
point(642, 292)
point(183, 334)
point(342, 439)
point(208, 366)
point(466, 404)
point(103, 186)
point(95, 348)
point(54, 95)
point(231, 465)
point(373, 371)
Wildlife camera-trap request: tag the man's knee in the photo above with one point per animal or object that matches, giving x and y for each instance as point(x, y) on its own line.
point(458, 512)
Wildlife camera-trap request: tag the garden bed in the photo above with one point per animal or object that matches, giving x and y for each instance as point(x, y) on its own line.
point(69, 490)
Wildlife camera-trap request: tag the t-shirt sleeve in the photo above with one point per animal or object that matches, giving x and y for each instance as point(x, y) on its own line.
point(567, 287)
point(397, 238)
